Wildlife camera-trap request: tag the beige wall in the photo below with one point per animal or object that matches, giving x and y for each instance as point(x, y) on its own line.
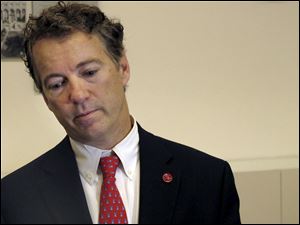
point(219, 76)
point(222, 77)
point(269, 197)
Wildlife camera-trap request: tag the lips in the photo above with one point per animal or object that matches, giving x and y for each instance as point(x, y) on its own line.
point(85, 119)
point(81, 115)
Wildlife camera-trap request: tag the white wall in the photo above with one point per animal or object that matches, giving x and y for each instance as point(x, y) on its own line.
point(219, 76)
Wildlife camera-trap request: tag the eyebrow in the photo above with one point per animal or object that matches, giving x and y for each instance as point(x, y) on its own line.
point(79, 65)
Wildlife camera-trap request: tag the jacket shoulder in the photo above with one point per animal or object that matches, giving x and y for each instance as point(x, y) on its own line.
point(187, 154)
point(30, 171)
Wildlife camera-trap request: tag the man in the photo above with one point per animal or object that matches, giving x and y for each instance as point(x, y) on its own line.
point(108, 169)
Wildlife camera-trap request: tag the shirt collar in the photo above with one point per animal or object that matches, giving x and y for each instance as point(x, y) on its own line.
point(88, 157)
point(127, 151)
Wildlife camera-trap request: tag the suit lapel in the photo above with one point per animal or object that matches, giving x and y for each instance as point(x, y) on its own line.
point(157, 197)
point(61, 187)
point(64, 196)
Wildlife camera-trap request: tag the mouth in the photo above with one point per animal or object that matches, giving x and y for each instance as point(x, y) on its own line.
point(81, 115)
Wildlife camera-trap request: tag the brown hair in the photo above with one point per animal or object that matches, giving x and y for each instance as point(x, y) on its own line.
point(64, 19)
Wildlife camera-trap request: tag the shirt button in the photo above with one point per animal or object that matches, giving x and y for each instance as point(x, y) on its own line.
point(89, 176)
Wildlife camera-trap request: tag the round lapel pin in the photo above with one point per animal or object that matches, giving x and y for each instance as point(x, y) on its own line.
point(167, 177)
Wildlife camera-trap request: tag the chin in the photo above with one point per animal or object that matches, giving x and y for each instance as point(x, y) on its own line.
point(94, 131)
point(91, 131)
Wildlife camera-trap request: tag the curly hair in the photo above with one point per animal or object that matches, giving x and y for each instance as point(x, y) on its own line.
point(62, 20)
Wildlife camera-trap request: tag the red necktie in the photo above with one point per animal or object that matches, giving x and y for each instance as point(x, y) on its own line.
point(112, 210)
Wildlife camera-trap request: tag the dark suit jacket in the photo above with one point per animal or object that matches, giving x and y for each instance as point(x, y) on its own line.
point(49, 189)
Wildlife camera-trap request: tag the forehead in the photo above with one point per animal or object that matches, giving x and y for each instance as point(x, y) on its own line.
point(70, 42)
point(55, 53)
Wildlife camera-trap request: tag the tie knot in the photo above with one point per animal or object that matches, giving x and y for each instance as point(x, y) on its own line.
point(109, 165)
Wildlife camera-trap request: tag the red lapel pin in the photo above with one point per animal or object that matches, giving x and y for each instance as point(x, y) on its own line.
point(167, 177)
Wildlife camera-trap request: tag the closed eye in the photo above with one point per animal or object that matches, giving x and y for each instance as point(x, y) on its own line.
point(56, 85)
point(90, 73)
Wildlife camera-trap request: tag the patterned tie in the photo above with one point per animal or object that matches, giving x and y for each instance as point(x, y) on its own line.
point(112, 210)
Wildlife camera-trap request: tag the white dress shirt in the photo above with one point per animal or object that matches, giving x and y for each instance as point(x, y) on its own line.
point(127, 174)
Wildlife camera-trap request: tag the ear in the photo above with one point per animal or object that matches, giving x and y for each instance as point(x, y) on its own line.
point(124, 70)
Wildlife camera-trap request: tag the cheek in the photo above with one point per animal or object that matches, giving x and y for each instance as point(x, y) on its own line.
point(59, 110)
point(108, 88)
point(115, 91)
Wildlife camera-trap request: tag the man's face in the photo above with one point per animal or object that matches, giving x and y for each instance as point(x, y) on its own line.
point(82, 86)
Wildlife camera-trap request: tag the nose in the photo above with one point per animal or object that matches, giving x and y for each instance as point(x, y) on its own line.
point(78, 93)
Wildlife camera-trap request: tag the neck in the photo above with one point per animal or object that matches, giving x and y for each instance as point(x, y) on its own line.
point(117, 134)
